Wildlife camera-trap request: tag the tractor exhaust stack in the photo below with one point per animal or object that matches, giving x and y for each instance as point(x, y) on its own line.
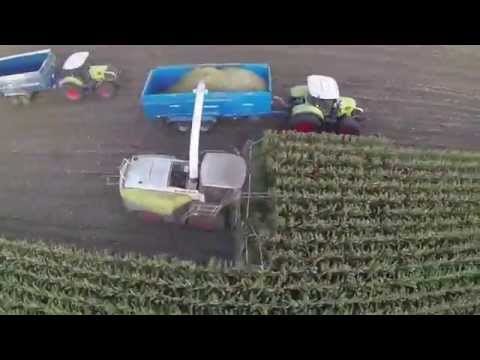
point(200, 92)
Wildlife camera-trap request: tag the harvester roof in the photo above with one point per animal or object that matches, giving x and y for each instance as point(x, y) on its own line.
point(149, 172)
point(223, 170)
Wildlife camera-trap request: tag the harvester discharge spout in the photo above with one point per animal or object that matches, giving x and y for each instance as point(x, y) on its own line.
point(200, 92)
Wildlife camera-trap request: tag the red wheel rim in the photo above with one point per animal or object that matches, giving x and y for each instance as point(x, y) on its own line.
point(198, 224)
point(305, 127)
point(150, 218)
point(73, 94)
point(105, 93)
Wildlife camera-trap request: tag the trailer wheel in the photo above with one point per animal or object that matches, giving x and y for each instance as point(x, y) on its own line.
point(14, 100)
point(149, 218)
point(206, 127)
point(24, 99)
point(73, 92)
point(182, 127)
point(106, 90)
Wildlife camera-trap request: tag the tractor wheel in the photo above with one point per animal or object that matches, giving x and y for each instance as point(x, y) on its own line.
point(208, 223)
point(305, 123)
point(348, 126)
point(358, 116)
point(106, 90)
point(73, 92)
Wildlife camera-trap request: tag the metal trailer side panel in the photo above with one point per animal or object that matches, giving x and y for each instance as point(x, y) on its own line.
point(179, 106)
point(28, 82)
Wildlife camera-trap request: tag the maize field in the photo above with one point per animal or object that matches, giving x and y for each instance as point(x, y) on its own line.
point(364, 227)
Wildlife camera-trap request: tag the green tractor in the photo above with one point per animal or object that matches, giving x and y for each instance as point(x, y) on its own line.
point(79, 78)
point(318, 107)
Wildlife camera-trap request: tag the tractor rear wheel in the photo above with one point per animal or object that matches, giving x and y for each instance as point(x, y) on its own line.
point(73, 92)
point(348, 126)
point(305, 123)
point(106, 90)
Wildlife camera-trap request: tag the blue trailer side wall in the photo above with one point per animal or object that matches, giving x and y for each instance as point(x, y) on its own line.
point(23, 64)
point(158, 104)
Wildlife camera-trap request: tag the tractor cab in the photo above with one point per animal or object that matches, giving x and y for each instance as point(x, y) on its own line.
point(77, 66)
point(318, 107)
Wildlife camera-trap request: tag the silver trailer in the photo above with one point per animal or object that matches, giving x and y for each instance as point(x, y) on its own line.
point(23, 75)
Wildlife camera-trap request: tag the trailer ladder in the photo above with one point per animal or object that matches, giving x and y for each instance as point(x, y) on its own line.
point(200, 209)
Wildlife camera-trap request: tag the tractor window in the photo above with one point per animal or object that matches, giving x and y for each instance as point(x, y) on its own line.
point(178, 175)
point(325, 105)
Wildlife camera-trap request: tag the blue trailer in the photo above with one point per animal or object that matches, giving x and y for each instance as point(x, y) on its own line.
point(177, 108)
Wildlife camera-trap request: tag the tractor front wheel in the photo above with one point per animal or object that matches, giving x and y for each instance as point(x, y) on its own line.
point(73, 92)
point(348, 126)
point(106, 90)
point(305, 123)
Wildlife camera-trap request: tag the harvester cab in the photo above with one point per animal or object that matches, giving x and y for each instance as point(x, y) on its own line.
point(318, 107)
point(79, 78)
point(205, 195)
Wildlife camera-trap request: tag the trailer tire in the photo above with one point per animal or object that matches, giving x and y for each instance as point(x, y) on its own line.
point(182, 127)
point(207, 126)
point(14, 100)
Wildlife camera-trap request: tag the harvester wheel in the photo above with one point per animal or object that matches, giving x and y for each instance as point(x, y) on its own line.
point(73, 92)
point(359, 116)
point(149, 218)
point(305, 123)
point(106, 90)
point(208, 223)
point(348, 126)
